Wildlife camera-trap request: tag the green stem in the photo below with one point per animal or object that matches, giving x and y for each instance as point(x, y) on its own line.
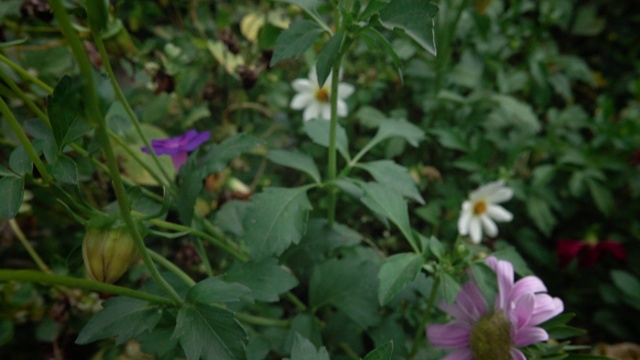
point(94, 113)
point(420, 332)
point(25, 74)
point(262, 321)
point(171, 267)
point(297, 302)
point(30, 104)
point(24, 140)
point(128, 109)
point(92, 285)
point(32, 252)
point(135, 157)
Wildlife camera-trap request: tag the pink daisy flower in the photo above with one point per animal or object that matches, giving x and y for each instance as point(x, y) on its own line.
point(481, 333)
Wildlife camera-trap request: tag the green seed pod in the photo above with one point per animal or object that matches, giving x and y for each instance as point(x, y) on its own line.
point(108, 252)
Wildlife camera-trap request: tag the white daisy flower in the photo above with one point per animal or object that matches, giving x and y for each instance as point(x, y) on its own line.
point(315, 100)
point(481, 211)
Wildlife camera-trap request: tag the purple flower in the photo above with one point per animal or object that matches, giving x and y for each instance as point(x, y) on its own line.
point(480, 333)
point(179, 147)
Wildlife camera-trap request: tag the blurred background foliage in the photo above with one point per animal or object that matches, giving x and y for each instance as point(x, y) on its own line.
point(543, 93)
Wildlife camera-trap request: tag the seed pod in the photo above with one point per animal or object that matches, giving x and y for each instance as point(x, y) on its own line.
point(108, 252)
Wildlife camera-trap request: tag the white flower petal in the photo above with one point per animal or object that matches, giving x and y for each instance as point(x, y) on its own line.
point(345, 90)
point(489, 226)
point(301, 101)
point(475, 230)
point(313, 77)
point(500, 195)
point(463, 222)
point(326, 111)
point(304, 86)
point(312, 111)
point(342, 108)
point(498, 213)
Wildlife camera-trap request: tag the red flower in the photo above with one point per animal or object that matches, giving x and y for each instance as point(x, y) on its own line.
point(588, 251)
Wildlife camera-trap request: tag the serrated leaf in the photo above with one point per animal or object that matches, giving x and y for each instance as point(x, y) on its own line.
point(348, 284)
point(275, 220)
point(327, 57)
point(397, 128)
point(382, 352)
point(217, 290)
point(20, 162)
point(294, 41)
point(219, 155)
point(303, 349)
point(265, 278)
point(318, 131)
point(397, 271)
point(64, 111)
point(12, 194)
point(382, 200)
point(229, 217)
point(415, 18)
point(395, 177)
point(122, 317)
point(64, 169)
point(210, 333)
point(297, 161)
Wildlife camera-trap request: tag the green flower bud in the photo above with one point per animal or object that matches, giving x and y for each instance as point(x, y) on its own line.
point(108, 252)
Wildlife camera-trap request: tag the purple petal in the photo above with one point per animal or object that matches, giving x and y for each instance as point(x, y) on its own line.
point(546, 308)
point(528, 284)
point(530, 335)
point(196, 141)
point(454, 335)
point(461, 354)
point(470, 299)
point(517, 355)
point(504, 273)
point(179, 159)
point(457, 312)
point(522, 310)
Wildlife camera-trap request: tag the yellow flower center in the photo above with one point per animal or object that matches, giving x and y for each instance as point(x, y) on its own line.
point(322, 95)
point(491, 337)
point(480, 207)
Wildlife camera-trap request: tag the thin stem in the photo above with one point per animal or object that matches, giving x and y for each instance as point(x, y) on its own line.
point(25, 74)
point(297, 302)
point(92, 285)
point(420, 332)
point(32, 252)
point(30, 104)
point(24, 140)
point(203, 256)
point(94, 113)
point(262, 321)
point(172, 267)
point(135, 157)
point(127, 107)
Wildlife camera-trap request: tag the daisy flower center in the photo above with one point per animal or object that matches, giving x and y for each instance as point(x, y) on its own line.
point(322, 95)
point(491, 337)
point(479, 207)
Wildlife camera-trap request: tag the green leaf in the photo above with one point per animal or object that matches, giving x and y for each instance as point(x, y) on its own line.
point(601, 195)
point(310, 7)
point(209, 332)
point(350, 285)
point(303, 349)
point(294, 41)
point(375, 40)
point(449, 287)
point(415, 18)
point(121, 317)
point(12, 194)
point(318, 131)
point(219, 155)
point(382, 352)
point(541, 214)
point(510, 254)
point(327, 57)
point(275, 220)
point(297, 161)
point(386, 202)
point(451, 139)
point(626, 283)
point(398, 128)
point(20, 162)
point(395, 177)
point(189, 188)
point(217, 290)
point(6, 331)
point(64, 109)
point(7, 44)
point(229, 216)
point(518, 112)
point(397, 271)
point(64, 169)
point(265, 278)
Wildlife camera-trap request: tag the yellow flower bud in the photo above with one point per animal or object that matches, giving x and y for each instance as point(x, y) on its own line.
point(108, 252)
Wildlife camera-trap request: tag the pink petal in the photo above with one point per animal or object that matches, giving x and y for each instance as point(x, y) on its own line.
point(179, 159)
point(522, 311)
point(504, 273)
point(517, 355)
point(530, 335)
point(457, 312)
point(614, 248)
point(528, 284)
point(454, 335)
point(462, 354)
point(545, 309)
